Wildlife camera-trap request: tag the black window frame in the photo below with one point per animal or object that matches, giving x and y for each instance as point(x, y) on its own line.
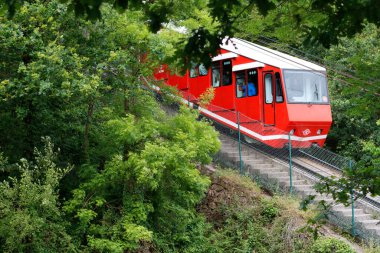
point(215, 65)
point(271, 88)
point(195, 69)
point(256, 83)
point(220, 65)
point(226, 67)
point(278, 87)
point(199, 71)
point(246, 81)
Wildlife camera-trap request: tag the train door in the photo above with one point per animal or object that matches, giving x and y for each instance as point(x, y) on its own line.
point(247, 93)
point(221, 81)
point(269, 107)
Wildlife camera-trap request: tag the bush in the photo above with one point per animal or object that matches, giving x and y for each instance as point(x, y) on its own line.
point(330, 245)
point(269, 211)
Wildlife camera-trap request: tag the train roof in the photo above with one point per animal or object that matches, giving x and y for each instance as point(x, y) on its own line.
point(268, 56)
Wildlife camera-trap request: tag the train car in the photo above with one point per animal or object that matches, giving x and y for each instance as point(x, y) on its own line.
point(277, 94)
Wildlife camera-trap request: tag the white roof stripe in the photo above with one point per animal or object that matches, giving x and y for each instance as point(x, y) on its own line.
point(250, 65)
point(268, 56)
point(224, 56)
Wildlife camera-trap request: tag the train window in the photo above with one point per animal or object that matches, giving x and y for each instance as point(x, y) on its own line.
point(227, 73)
point(198, 70)
point(268, 89)
point(241, 85)
point(303, 86)
point(194, 71)
point(202, 70)
point(216, 74)
point(279, 94)
point(252, 82)
point(246, 83)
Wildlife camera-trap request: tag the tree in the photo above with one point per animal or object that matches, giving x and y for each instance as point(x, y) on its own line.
point(31, 219)
point(202, 42)
point(150, 184)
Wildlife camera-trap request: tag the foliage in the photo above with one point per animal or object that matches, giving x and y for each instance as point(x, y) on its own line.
point(149, 185)
point(135, 177)
point(354, 89)
point(244, 219)
point(206, 97)
point(356, 78)
point(31, 219)
point(327, 245)
point(67, 75)
point(324, 24)
point(355, 133)
point(270, 211)
point(240, 233)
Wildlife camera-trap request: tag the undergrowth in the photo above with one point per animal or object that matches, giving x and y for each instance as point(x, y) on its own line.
point(237, 216)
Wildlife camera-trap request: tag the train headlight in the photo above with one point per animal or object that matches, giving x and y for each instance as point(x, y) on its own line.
point(319, 131)
point(292, 131)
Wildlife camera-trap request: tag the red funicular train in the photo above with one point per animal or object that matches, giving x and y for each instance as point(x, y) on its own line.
point(277, 93)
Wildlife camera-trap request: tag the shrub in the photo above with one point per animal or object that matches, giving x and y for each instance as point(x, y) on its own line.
point(330, 245)
point(269, 211)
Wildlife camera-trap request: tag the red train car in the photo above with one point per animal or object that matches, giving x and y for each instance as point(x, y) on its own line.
point(275, 93)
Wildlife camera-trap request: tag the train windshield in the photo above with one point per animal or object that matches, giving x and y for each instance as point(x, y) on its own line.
point(304, 86)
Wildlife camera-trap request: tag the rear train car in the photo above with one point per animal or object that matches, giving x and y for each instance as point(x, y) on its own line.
point(276, 94)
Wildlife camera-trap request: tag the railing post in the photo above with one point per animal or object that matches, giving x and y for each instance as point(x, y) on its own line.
point(238, 124)
point(352, 204)
point(290, 165)
point(188, 101)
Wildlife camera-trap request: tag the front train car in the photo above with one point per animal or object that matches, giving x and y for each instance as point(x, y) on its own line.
point(309, 112)
point(292, 96)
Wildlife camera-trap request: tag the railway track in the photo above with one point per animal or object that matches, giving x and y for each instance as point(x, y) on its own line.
point(273, 164)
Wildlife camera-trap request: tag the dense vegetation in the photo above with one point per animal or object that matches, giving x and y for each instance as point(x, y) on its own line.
point(88, 159)
point(123, 172)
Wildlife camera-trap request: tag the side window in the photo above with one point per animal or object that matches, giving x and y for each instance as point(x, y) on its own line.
point(241, 86)
point(279, 94)
point(203, 71)
point(227, 72)
point(194, 70)
point(216, 74)
point(268, 89)
point(253, 80)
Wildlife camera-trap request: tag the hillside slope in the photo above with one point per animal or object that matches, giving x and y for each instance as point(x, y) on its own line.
point(246, 219)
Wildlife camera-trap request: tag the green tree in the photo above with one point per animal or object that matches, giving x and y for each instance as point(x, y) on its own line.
point(31, 219)
point(150, 185)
